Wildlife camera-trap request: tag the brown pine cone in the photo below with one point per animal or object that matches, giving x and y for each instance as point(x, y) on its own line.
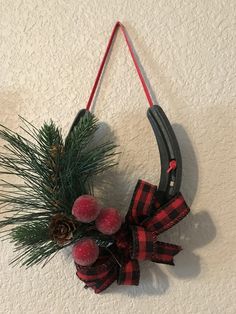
point(56, 150)
point(61, 229)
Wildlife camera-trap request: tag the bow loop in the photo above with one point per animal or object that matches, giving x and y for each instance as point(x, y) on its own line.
point(141, 203)
point(167, 215)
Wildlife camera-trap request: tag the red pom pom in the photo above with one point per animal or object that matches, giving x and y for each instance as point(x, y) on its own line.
point(85, 252)
point(108, 221)
point(86, 208)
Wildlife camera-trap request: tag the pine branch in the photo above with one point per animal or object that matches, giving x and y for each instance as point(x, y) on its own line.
point(53, 174)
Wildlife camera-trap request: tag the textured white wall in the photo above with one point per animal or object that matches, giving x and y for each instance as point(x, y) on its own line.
point(50, 52)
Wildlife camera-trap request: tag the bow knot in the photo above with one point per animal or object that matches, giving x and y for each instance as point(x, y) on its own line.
point(137, 240)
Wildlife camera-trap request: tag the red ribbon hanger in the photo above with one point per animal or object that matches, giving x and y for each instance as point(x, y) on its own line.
point(104, 60)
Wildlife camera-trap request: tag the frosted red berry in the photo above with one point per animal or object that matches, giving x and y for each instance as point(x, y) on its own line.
point(85, 252)
point(86, 208)
point(108, 221)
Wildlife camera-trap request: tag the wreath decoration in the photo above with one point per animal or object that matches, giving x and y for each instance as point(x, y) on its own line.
point(53, 206)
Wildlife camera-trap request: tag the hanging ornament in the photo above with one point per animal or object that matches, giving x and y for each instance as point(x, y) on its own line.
point(86, 208)
point(53, 206)
point(108, 221)
point(85, 252)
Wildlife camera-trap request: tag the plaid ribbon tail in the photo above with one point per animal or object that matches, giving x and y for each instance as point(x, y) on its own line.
point(129, 273)
point(164, 253)
point(146, 247)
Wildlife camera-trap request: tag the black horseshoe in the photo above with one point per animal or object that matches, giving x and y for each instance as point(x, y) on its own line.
point(79, 115)
point(170, 179)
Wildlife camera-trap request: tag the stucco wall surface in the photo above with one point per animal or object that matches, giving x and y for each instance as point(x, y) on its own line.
point(49, 54)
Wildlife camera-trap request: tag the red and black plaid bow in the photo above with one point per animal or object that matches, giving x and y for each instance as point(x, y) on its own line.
point(137, 240)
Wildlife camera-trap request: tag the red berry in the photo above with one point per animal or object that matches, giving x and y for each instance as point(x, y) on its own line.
point(86, 208)
point(108, 221)
point(85, 252)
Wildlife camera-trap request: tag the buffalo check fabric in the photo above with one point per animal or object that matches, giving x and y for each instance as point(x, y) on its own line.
point(143, 244)
point(168, 215)
point(140, 203)
point(100, 275)
point(164, 253)
point(137, 240)
point(129, 273)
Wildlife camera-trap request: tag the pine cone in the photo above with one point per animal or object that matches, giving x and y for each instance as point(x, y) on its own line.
point(61, 229)
point(56, 150)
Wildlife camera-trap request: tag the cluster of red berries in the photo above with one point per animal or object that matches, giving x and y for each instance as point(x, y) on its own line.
point(107, 220)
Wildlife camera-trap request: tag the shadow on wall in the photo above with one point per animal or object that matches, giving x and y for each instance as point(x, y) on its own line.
point(196, 230)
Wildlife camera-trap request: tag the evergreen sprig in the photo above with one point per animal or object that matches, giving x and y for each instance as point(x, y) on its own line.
point(53, 172)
